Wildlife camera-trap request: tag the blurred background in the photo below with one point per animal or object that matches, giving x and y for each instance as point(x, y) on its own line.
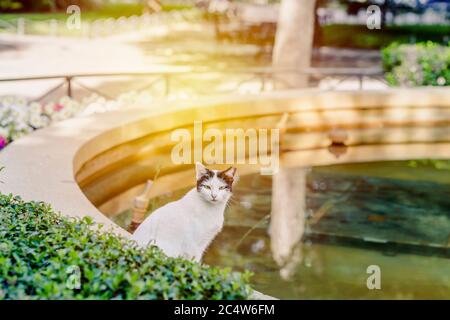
point(92, 55)
point(63, 59)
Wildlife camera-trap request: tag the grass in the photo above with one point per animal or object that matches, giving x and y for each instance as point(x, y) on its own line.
point(41, 21)
point(106, 11)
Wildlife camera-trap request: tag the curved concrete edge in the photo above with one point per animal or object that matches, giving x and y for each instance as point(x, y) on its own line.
point(256, 295)
point(42, 165)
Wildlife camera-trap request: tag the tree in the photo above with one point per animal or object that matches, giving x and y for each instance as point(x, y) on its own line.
point(294, 41)
point(292, 52)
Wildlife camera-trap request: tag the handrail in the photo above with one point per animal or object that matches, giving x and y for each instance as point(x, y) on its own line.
point(267, 70)
point(262, 75)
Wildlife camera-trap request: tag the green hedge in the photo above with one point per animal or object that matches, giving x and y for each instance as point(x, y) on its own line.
point(44, 255)
point(423, 64)
point(359, 36)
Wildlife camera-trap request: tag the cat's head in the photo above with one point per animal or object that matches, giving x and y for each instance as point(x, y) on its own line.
point(215, 186)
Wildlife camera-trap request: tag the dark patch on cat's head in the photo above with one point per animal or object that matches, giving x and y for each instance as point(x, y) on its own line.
point(227, 176)
point(206, 175)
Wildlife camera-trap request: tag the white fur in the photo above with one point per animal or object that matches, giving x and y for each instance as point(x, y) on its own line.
point(186, 227)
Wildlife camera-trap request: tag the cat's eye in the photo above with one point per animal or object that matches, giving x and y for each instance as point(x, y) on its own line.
point(221, 188)
point(207, 187)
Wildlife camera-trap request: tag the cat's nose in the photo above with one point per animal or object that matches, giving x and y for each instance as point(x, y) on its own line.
point(213, 196)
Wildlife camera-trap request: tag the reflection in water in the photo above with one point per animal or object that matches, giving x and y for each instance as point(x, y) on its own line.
point(312, 233)
point(338, 150)
point(287, 222)
point(347, 217)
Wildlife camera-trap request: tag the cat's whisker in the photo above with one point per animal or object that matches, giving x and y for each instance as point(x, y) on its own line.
point(228, 205)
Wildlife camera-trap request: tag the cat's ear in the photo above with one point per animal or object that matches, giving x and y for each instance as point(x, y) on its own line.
point(200, 170)
point(230, 173)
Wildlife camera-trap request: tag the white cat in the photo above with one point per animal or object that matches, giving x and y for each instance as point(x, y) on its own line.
point(186, 227)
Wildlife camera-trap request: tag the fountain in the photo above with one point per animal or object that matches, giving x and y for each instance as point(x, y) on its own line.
point(98, 165)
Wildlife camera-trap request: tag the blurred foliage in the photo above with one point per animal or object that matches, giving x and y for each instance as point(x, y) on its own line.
point(354, 36)
point(104, 9)
point(6, 5)
point(423, 64)
point(44, 5)
point(41, 249)
point(437, 164)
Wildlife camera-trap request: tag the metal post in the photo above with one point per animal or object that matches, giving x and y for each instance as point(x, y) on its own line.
point(69, 86)
point(53, 27)
point(263, 82)
point(167, 84)
point(20, 26)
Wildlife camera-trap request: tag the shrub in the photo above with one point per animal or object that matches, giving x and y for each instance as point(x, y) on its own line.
point(43, 255)
point(423, 64)
point(43, 5)
point(435, 163)
point(359, 36)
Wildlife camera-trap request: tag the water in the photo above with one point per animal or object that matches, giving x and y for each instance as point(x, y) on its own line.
point(395, 215)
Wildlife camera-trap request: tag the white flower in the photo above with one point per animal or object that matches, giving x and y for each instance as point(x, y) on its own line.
point(7, 101)
point(4, 132)
point(441, 81)
point(65, 113)
point(4, 122)
point(38, 121)
point(20, 126)
point(56, 117)
point(35, 108)
point(19, 115)
point(49, 109)
point(92, 108)
point(20, 101)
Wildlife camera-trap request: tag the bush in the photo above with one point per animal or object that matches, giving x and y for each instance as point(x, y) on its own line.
point(423, 64)
point(43, 255)
point(359, 36)
point(43, 5)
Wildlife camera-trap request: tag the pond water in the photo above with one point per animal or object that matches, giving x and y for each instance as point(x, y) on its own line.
point(394, 215)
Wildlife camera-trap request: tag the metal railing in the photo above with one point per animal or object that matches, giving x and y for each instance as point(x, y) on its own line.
point(171, 82)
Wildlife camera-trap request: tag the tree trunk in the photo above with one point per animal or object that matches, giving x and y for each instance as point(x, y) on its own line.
point(292, 52)
point(294, 41)
point(287, 222)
